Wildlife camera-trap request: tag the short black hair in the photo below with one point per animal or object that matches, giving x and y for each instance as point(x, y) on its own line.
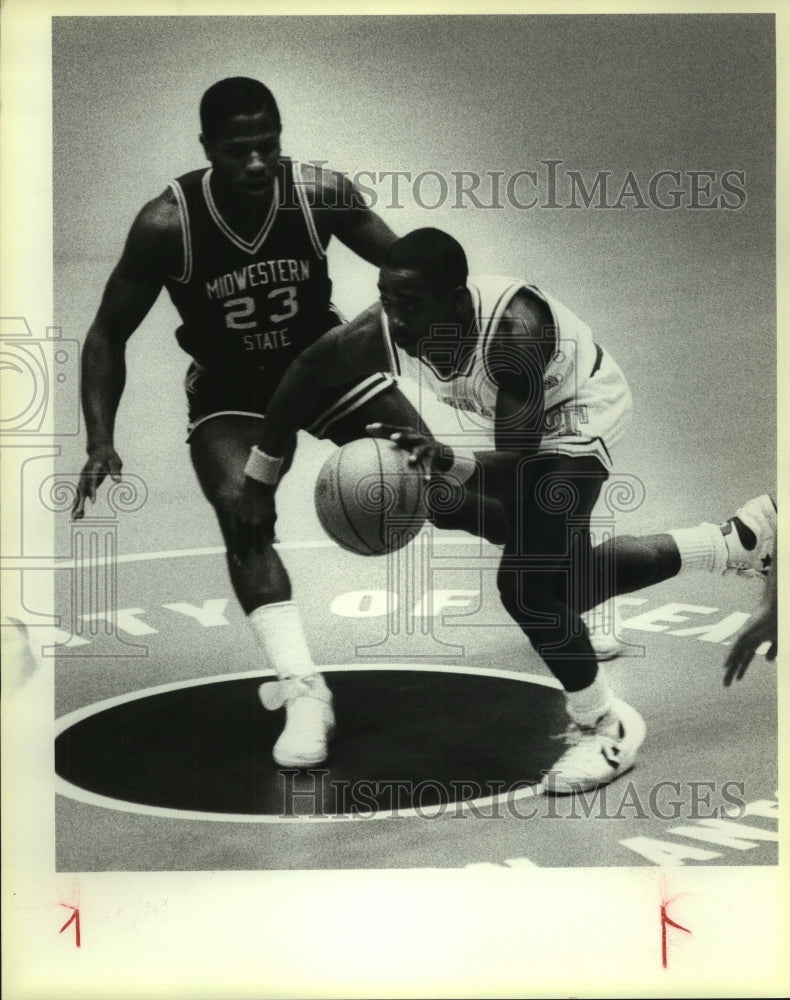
point(438, 257)
point(236, 95)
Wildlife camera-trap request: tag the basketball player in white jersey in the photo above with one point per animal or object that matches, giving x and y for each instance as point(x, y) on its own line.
point(241, 249)
point(519, 365)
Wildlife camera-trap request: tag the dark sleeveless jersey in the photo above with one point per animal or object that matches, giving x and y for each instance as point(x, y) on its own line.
point(249, 307)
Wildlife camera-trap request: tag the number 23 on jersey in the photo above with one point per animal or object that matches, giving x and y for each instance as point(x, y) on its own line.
point(240, 313)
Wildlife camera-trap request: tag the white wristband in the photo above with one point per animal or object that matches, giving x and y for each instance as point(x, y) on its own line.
point(462, 468)
point(262, 467)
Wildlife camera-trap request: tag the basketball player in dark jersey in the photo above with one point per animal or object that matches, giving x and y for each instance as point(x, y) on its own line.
point(241, 249)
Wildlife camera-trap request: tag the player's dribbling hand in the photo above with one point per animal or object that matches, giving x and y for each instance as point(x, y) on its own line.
point(102, 462)
point(423, 449)
point(254, 516)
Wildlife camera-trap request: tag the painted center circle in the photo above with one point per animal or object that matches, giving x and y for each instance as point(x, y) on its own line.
point(404, 739)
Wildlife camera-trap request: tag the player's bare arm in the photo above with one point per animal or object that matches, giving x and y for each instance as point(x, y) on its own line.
point(340, 210)
point(348, 352)
point(341, 355)
point(517, 359)
point(151, 250)
point(762, 628)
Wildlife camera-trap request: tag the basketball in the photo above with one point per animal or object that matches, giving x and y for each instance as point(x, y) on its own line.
point(368, 498)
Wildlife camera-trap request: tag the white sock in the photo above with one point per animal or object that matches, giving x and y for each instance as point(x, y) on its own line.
point(702, 547)
point(587, 706)
point(278, 628)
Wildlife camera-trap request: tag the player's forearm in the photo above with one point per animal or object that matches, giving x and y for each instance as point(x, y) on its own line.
point(495, 474)
point(498, 473)
point(290, 406)
point(770, 606)
point(487, 477)
point(358, 226)
point(103, 380)
point(368, 236)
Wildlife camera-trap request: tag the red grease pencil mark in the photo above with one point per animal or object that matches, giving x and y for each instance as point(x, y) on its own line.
point(666, 920)
point(73, 919)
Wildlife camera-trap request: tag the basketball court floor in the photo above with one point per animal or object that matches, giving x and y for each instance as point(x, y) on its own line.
point(445, 716)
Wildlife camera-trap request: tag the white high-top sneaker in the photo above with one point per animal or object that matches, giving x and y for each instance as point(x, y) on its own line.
point(309, 719)
point(750, 536)
point(599, 753)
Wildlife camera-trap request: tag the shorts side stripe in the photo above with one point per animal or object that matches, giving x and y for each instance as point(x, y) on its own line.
point(220, 413)
point(576, 447)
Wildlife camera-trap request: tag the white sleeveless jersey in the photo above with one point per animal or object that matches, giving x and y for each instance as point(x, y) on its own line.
point(472, 391)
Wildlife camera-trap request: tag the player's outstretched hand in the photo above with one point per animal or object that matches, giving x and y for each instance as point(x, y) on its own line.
point(102, 462)
point(761, 629)
point(252, 526)
point(423, 449)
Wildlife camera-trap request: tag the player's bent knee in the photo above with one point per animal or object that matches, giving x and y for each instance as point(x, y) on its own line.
point(529, 602)
point(225, 497)
point(517, 597)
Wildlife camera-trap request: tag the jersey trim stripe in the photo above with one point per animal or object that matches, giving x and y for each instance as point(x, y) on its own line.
point(492, 323)
point(186, 235)
point(572, 446)
point(392, 354)
point(363, 391)
point(598, 359)
point(257, 242)
point(477, 304)
point(477, 300)
point(307, 212)
point(542, 298)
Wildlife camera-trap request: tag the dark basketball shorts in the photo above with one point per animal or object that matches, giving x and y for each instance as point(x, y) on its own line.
point(212, 393)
